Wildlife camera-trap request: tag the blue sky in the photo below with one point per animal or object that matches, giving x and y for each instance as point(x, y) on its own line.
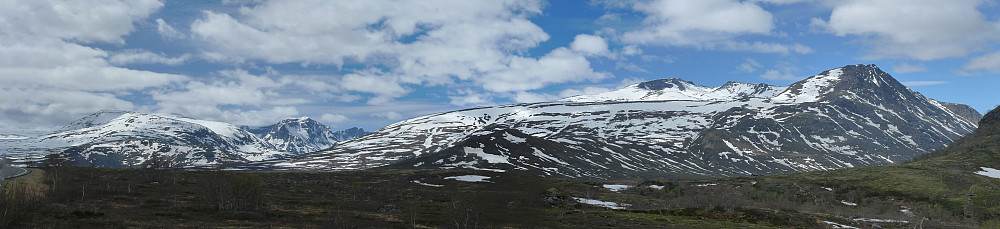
point(372, 63)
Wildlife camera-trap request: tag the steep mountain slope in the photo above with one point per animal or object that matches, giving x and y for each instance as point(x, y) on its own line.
point(302, 135)
point(964, 111)
point(856, 115)
point(349, 133)
point(129, 139)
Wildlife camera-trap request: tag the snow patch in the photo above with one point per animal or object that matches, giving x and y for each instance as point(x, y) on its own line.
point(429, 185)
point(491, 158)
point(616, 187)
point(839, 226)
point(604, 204)
point(469, 178)
point(990, 172)
point(848, 203)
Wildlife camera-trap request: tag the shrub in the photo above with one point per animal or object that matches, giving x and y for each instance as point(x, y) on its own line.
point(235, 192)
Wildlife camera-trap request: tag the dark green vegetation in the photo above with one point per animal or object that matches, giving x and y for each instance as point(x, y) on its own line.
point(940, 191)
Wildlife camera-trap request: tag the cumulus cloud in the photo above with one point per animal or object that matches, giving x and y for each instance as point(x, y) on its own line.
point(241, 97)
point(590, 45)
point(921, 30)
point(50, 71)
point(710, 24)
point(989, 62)
point(145, 57)
point(409, 43)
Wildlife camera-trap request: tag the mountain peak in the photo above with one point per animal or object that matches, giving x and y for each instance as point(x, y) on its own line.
point(98, 118)
point(990, 122)
point(660, 84)
point(855, 80)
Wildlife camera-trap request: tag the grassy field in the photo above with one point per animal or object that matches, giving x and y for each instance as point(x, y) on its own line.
point(129, 198)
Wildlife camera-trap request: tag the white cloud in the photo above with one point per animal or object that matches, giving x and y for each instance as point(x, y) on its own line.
point(989, 62)
point(411, 43)
point(921, 30)
point(145, 57)
point(560, 65)
point(238, 96)
point(333, 118)
point(590, 45)
point(77, 20)
point(749, 66)
point(50, 74)
point(783, 71)
point(710, 24)
point(908, 68)
point(167, 31)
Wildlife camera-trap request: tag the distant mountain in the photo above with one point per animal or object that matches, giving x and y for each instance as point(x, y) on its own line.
point(855, 115)
point(303, 135)
point(131, 139)
point(964, 111)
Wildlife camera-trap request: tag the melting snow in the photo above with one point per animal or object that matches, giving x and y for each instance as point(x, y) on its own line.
point(469, 178)
point(848, 203)
point(828, 189)
point(491, 158)
point(706, 185)
point(881, 220)
point(426, 184)
point(989, 172)
point(657, 187)
point(616, 187)
point(837, 225)
point(605, 204)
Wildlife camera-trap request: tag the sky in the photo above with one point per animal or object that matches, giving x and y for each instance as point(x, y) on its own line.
point(375, 62)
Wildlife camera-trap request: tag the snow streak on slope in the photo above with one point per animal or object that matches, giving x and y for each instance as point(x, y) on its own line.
point(840, 118)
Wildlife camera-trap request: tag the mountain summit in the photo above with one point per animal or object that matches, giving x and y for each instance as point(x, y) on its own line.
point(304, 135)
point(677, 89)
point(856, 115)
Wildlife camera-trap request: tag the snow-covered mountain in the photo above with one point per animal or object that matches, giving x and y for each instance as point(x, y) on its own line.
point(855, 115)
point(303, 135)
point(677, 89)
point(130, 139)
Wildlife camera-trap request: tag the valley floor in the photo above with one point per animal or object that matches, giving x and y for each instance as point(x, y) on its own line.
point(64, 197)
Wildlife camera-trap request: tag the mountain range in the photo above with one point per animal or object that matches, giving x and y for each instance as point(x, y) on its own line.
point(856, 115)
point(131, 139)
